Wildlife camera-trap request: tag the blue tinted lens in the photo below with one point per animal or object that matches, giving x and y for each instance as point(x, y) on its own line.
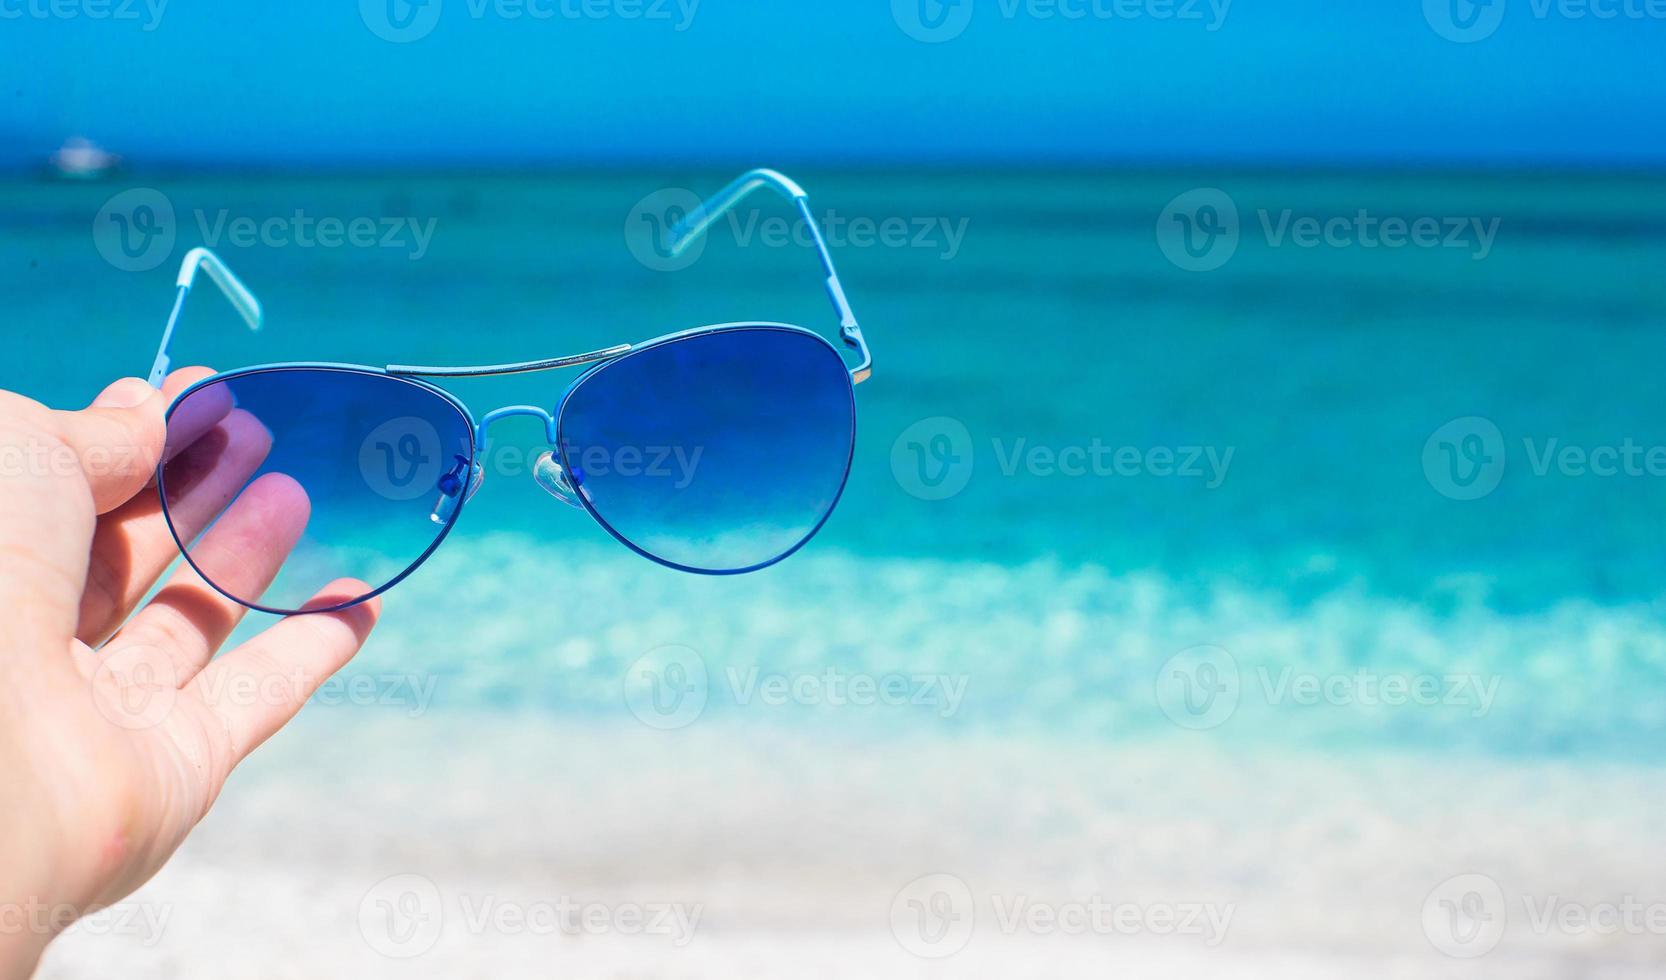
point(718, 452)
point(349, 469)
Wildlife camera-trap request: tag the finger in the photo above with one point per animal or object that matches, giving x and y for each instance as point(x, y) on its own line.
point(258, 687)
point(134, 545)
point(46, 522)
point(191, 419)
point(116, 441)
point(48, 505)
point(241, 555)
point(130, 545)
point(176, 382)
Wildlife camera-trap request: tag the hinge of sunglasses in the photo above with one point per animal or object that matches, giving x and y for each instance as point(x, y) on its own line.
point(850, 331)
point(853, 338)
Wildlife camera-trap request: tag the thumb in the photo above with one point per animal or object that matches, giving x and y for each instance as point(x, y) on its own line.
point(117, 440)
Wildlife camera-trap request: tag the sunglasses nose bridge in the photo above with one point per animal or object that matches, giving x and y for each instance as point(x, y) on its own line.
point(462, 481)
point(547, 471)
point(509, 411)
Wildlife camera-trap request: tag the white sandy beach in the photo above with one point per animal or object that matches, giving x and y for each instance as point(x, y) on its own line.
point(792, 850)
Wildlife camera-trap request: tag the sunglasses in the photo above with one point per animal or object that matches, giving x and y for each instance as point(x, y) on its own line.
point(718, 450)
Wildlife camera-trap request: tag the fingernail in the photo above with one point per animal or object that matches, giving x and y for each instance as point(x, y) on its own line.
point(125, 393)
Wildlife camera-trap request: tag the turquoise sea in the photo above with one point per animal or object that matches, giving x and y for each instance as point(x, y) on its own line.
point(1432, 467)
point(1037, 311)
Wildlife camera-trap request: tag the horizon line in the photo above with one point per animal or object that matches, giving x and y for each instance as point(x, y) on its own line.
point(1431, 167)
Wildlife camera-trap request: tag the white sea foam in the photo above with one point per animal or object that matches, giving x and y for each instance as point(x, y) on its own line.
point(505, 623)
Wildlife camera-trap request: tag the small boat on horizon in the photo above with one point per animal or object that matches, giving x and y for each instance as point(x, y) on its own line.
point(82, 159)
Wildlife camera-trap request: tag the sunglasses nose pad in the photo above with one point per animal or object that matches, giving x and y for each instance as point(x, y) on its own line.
point(453, 493)
point(547, 473)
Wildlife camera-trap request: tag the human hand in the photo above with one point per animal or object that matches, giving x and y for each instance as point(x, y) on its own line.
point(114, 744)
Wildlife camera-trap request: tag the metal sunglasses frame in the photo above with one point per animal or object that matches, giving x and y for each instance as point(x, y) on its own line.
point(552, 478)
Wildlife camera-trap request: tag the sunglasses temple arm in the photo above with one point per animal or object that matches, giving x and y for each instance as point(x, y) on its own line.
point(695, 224)
point(238, 294)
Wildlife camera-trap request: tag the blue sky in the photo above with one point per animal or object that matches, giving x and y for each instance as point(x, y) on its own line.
point(571, 82)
